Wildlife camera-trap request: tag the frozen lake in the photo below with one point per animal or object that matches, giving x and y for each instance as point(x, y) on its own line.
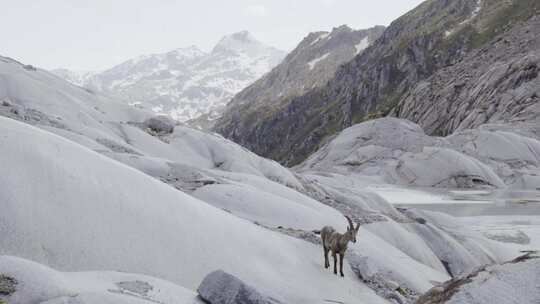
point(511, 217)
point(464, 203)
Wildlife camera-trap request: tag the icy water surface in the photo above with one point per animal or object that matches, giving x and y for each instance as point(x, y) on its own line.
point(507, 216)
point(465, 203)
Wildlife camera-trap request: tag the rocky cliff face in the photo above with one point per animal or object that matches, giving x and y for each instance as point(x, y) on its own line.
point(498, 83)
point(436, 34)
point(310, 65)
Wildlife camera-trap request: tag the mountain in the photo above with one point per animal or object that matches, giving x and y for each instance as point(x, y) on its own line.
point(310, 65)
point(91, 183)
point(497, 83)
point(434, 35)
point(80, 78)
point(184, 83)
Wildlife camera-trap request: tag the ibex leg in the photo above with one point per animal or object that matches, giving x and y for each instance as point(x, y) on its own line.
point(326, 262)
point(341, 264)
point(335, 262)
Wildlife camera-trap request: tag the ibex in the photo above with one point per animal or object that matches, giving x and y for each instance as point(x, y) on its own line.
point(337, 243)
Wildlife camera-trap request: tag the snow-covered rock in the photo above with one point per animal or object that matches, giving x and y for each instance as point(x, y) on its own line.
point(456, 246)
point(40, 98)
point(220, 287)
point(410, 243)
point(185, 83)
point(108, 126)
point(514, 157)
point(267, 208)
point(515, 282)
point(69, 207)
point(399, 152)
point(36, 283)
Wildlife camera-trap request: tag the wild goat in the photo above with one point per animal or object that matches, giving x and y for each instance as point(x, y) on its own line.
point(337, 243)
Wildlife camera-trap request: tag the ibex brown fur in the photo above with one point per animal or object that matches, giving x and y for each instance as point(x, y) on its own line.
point(337, 243)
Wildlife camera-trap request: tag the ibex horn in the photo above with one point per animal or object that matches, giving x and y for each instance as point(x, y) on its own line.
point(351, 225)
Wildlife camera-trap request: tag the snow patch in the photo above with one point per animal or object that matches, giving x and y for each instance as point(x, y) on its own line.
point(314, 62)
point(38, 283)
point(364, 43)
point(322, 36)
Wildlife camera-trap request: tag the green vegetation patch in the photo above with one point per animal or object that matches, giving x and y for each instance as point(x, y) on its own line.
point(504, 19)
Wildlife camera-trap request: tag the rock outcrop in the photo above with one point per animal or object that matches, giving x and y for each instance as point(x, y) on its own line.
point(517, 281)
point(513, 157)
point(498, 83)
point(160, 124)
point(399, 152)
point(220, 287)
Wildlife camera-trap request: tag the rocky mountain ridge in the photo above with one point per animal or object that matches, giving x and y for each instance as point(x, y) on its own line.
point(436, 34)
point(495, 84)
point(310, 65)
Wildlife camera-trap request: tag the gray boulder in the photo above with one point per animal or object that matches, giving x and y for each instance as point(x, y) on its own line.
point(220, 287)
point(160, 124)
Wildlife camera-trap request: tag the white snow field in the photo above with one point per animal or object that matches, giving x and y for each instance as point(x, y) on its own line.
point(64, 104)
point(37, 283)
point(86, 187)
point(73, 209)
point(513, 282)
point(508, 283)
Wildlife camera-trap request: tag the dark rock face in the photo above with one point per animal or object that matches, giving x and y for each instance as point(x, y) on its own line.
point(436, 34)
point(220, 287)
point(7, 285)
point(310, 65)
point(497, 83)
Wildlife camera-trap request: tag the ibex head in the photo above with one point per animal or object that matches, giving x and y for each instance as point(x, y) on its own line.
point(351, 230)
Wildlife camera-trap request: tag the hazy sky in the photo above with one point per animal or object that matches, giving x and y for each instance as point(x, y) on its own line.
point(97, 34)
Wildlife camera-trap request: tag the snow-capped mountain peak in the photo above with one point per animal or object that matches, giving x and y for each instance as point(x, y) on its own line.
point(185, 83)
point(76, 77)
point(240, 42)
point(188, 52)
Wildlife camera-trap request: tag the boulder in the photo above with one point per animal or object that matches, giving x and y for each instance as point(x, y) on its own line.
point(160, 124)
point(7, 103)
point(220, 287)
